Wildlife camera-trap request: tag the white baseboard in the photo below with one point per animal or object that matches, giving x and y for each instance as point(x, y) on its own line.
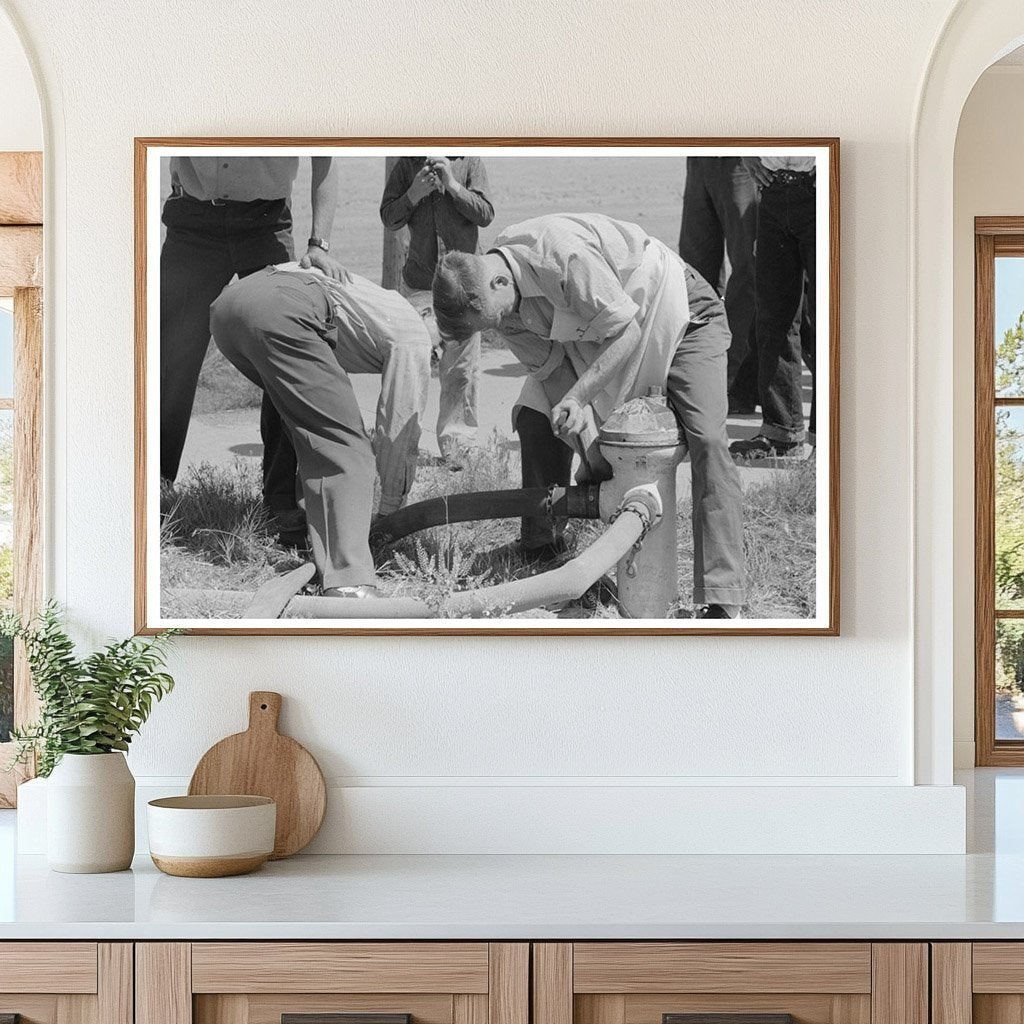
point(573, 819)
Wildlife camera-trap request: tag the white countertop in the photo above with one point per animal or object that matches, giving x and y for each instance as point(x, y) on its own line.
point(977, 896)
point(516, 897)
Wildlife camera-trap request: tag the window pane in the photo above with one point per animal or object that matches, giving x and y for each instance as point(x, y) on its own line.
point(1009, 480)
point(6, 567)
point(1009, 319)
point(6, 349)
point(1009, 679)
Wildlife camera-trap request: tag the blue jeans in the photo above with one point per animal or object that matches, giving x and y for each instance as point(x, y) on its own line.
point(786, 234)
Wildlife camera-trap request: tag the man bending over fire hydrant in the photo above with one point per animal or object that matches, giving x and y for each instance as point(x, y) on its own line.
point(598, 312)
point(298, 335)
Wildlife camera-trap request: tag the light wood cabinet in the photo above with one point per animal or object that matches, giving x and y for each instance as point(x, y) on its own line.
point(66, 982)
point(978, 983)
point(512, 983)
point(367, 982)
point(737, 982)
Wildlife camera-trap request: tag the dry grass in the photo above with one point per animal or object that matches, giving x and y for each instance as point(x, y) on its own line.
point(215, 539)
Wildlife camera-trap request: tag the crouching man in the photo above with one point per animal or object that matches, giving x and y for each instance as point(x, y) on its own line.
point(298, 335)
point(598, 312)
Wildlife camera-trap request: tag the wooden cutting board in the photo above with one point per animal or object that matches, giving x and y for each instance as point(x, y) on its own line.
point(262, 762)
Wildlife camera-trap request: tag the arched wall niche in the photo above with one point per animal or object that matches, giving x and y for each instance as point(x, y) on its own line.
point(976, 34)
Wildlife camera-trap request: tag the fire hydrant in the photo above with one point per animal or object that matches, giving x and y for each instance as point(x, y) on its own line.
point(644, 445)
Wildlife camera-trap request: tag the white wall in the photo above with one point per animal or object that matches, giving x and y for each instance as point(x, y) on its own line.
point(987, 181)
point(21, 127)
point(432, 715)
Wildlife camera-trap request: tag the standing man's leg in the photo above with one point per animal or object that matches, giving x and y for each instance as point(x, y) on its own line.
point(275, 327)
point(195, 265)
point(779, 275)
point(459, 374)
point(808, 349)
point(737, 205)
point(701, 236)
point(697, 392)
point(807, 232)
point(280, 482)
point(546, 462)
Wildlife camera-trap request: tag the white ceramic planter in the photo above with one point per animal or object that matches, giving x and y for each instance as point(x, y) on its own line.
point(90, 814)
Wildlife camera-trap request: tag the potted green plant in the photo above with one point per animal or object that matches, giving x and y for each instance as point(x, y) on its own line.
point(90, 708)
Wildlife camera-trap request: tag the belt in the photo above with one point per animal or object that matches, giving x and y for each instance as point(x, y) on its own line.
point(226, 202)
point(782, 176)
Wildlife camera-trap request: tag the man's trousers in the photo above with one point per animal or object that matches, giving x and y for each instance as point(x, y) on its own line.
point(205, 247)
point(720, 219)
point(786, 241)
point(277, 329)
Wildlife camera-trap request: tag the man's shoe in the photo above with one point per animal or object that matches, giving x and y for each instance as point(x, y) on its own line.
point(761, 447)
point(715, 611)
point(365, 591)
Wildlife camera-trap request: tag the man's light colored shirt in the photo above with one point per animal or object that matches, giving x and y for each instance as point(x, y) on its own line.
point(241, 179)
point(788, 163)
point(380, 332)
point(570, 271)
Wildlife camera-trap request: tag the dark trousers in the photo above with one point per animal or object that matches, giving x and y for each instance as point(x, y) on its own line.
point(786, 234)
point(278, 329)
point(205, 247)
point(719, 219)
point(546, 462)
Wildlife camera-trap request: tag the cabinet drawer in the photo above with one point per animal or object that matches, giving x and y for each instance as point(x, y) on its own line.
point(340, 967)
point(635, 967)
point(332, 983)
point(66, 982)
point(730, 983)
point(65, 967)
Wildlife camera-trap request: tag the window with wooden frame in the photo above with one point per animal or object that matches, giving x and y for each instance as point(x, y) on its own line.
point(999, 490)
point(21, 364)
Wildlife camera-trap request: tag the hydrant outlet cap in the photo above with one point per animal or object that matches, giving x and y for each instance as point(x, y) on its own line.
point(642, 421)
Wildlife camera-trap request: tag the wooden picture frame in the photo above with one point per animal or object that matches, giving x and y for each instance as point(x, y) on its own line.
point(825, 599)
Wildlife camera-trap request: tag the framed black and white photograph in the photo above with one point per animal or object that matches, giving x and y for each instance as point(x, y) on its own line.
point(536, 386)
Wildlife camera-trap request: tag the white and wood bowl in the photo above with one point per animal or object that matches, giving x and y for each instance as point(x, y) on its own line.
point(211, 836)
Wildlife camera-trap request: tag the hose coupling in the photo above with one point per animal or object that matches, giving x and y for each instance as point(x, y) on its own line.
point(648, 497)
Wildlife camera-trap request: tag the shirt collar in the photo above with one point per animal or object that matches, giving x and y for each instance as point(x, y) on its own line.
point(524, 276)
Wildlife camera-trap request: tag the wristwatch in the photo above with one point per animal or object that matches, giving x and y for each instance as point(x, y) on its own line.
point(320, 243)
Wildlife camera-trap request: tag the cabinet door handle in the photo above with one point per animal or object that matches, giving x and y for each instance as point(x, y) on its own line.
point(727, 1018)
point(337, 1018)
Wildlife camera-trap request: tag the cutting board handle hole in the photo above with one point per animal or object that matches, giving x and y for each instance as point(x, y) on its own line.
point(263, 707)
